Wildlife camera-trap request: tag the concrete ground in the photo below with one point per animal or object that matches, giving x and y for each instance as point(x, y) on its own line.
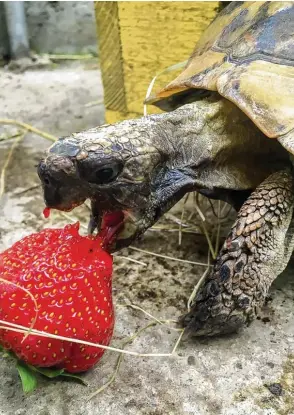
point(248, 373)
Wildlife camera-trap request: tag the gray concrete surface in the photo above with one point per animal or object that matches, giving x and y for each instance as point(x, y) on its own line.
point(62, 26)
point(226, 376)
point(66, 27)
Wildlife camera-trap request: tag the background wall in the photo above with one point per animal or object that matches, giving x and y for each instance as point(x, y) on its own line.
point(57, 27)
point(144, 38)
point(3, 33)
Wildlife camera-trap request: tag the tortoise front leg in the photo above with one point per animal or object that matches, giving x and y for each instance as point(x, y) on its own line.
point(256, 251)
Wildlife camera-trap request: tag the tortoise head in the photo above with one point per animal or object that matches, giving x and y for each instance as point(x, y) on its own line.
point(121, 170)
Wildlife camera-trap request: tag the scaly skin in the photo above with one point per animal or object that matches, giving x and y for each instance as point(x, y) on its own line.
point(256, 251)
point(209, 146)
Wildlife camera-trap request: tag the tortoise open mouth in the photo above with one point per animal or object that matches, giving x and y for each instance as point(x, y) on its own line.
point(111, 225)
point(116, 227)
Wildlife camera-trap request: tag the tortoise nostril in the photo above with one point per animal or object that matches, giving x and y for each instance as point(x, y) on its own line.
point(41, 169)
point(46, 181)
point(43, 174)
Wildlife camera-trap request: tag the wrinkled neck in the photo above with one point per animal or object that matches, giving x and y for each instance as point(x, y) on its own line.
point(194, 131)
point(217, 144)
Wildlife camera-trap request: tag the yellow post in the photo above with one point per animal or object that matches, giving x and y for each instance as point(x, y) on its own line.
point(137, 40)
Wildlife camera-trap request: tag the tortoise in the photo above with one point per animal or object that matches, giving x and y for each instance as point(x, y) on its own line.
point(228, 133)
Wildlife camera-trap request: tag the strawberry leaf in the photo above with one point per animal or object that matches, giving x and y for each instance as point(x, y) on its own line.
point(54, 373)
point(47, 371)
point(76, 378)
point(28, 378)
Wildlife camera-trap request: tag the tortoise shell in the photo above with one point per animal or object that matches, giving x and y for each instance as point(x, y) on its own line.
point(247, 56)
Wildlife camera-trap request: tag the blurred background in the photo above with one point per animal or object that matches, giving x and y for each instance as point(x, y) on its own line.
point(131, 42)
point(47, 27)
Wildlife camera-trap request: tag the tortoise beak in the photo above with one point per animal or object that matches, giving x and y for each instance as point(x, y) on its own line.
point(57, 194)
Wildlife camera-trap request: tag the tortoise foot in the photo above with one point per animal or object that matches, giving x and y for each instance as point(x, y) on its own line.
point(255, 252)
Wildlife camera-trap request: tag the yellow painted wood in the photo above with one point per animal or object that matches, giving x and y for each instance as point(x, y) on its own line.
point(112, 117)
point(152, 36)
point(111, 60)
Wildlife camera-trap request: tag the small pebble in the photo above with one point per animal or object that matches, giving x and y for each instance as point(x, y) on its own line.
point(191, 360)
point(276, 389)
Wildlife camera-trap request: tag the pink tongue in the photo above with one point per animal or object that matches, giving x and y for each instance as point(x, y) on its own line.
point(111, 223)
point(112, 219)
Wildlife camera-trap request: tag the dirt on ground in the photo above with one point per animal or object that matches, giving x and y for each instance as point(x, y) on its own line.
point(228, 375)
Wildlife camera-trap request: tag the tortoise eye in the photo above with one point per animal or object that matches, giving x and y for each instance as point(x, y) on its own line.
point(102, 174)
point(105, 174)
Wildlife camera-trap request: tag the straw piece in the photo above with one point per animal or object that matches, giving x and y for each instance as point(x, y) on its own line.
point(162, 322)
point(182, 217)
point(130, 259)
point(56, 57)
point(29, 128)
point(7, 161)
point(167, 257)
point(150, 87)
point(196, 289)
point(94, 103)
point(22, 329)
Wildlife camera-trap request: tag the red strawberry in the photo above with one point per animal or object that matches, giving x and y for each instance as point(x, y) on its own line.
point(70, 278)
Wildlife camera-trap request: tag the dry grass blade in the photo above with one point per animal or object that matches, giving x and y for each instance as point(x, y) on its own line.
point(167, 257)
point(175, 219)
point(197, 206)
point(203, 226)
point(94, 103)
point(211, 251)
point(7, 121)
point(121, 350)
point(178, 342)
point(111, 380)
point(22, 192)
point(9, 137)
point(221, 215)
point(182, 217)
point(23, 329)
point(162, 322)
point(7, 161)
point(130, 259)
point(167, 228)
point(196, 289)
point(56, 57)
point(216, 248)
point(150, 87)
